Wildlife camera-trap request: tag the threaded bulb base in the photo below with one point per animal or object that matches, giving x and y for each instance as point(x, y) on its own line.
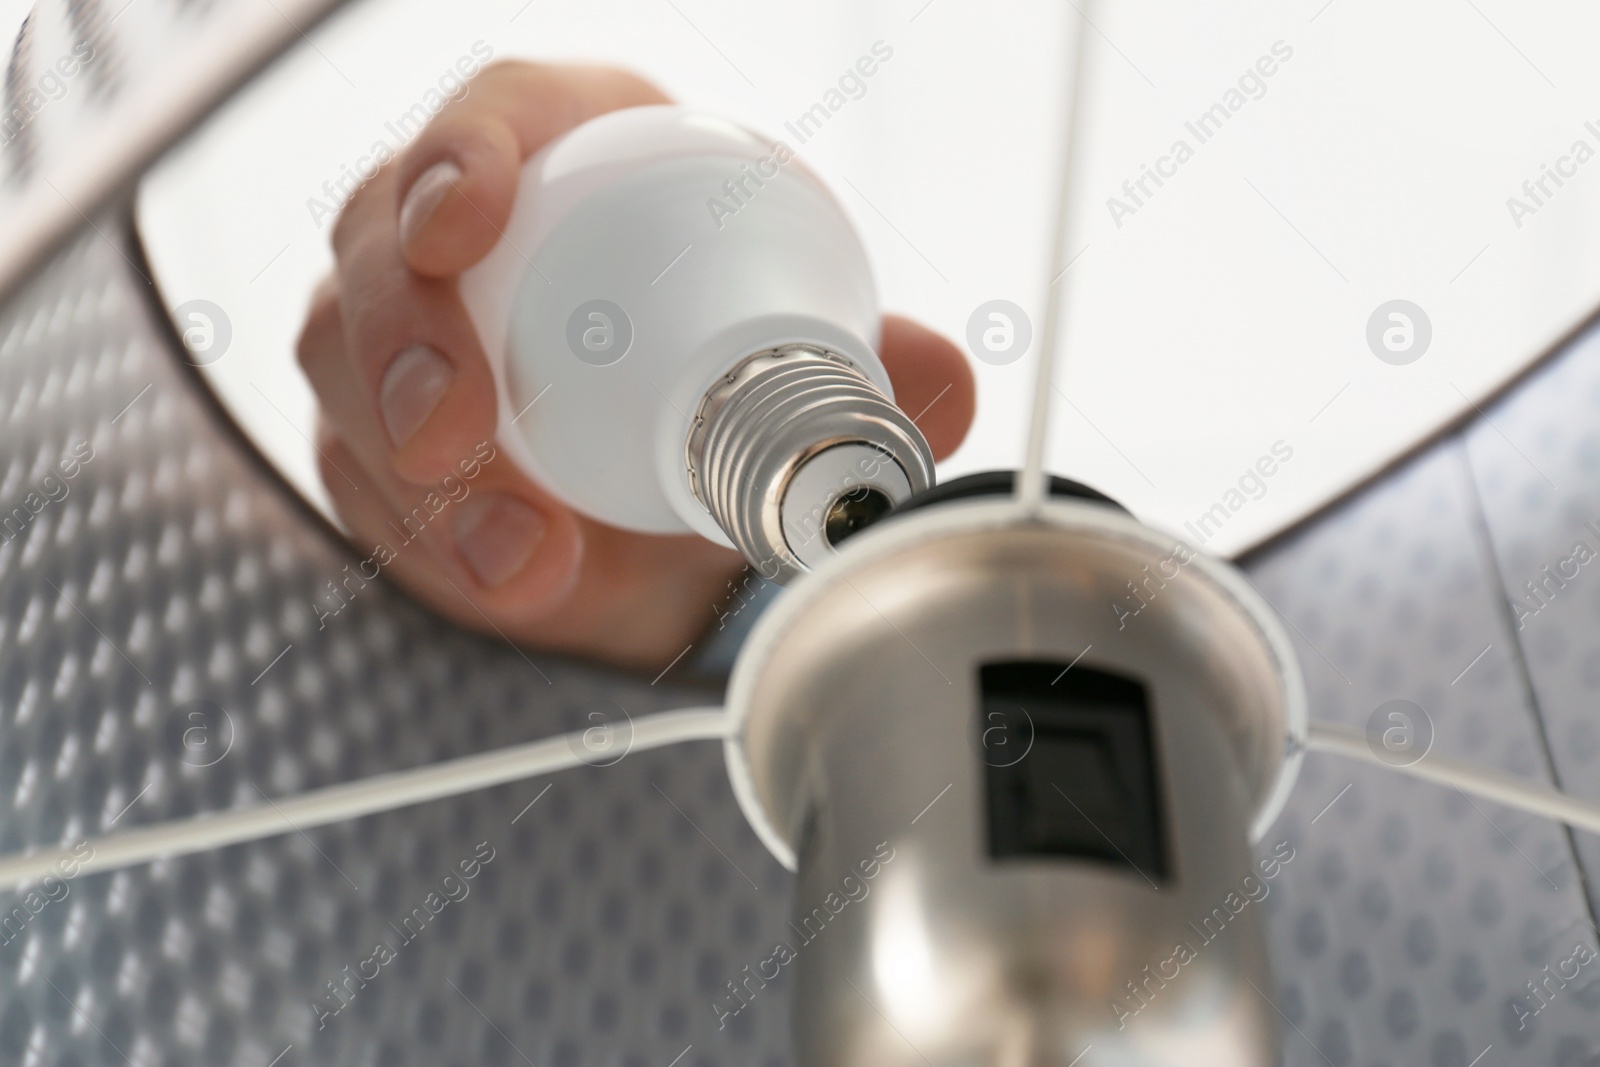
point(794, 450)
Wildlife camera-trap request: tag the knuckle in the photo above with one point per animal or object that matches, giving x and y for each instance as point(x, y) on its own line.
point(340, 238)
point(345, 225)
point(356, 219)
point(328, 443)
point(635, 86)
point(508, 71)
point(321, 330)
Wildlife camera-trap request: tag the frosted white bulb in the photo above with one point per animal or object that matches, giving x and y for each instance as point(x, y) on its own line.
point(682, 324)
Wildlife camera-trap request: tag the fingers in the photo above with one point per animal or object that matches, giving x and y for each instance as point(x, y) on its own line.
point(403, 237)
point(583, 588)
point(458, 196)
point(341, 396)
point(932, 380)
point(414, 358)
point(459, 177)
point(483, 545)
point(510, 543)
point(408, 397)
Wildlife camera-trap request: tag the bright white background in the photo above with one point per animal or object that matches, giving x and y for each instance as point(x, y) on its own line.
point(1227, 314)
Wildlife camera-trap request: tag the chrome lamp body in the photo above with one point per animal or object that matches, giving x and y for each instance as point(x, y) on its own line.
point(1012, 789)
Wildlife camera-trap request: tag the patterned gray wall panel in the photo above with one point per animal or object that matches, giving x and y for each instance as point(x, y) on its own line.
point(170, 572)
point(1536, 461)
point(1413, 915)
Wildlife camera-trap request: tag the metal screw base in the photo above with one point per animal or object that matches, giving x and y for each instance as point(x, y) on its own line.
point(767, 458)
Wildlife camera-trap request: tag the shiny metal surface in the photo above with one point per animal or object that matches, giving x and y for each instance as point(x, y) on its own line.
point(765, 458)
point(858, 750)
point(830, 480)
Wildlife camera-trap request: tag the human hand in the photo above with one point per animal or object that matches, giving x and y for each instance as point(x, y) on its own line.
point(407, 397)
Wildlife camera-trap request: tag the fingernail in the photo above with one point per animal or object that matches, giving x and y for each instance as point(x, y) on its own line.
point(497, 534)
point(412, 387)
point(426, 192)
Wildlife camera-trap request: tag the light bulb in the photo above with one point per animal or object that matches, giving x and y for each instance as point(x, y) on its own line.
point(682, 325)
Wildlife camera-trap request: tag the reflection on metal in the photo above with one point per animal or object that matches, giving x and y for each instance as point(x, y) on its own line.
point(857, 703)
